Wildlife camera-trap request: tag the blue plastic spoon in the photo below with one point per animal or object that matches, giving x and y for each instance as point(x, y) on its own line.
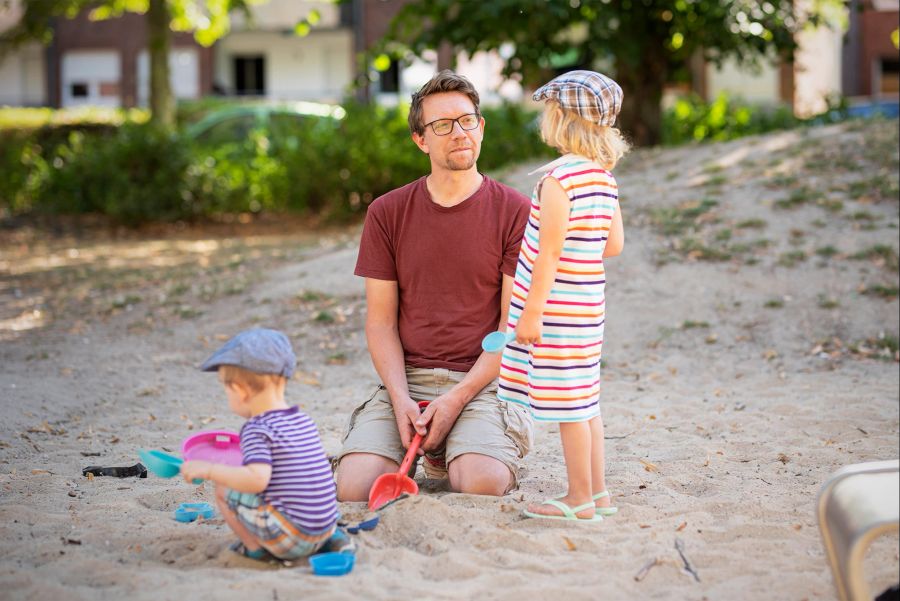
point(495, 342)
point(163, 464)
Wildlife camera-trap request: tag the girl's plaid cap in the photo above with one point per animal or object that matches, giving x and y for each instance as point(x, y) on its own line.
point(258, 350)
point(594, 96)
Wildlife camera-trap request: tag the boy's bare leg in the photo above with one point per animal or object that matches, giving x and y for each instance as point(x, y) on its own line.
point(250, 541)
point(477, 474)
point(356, 473)
point(598, 461)
point(576, 442)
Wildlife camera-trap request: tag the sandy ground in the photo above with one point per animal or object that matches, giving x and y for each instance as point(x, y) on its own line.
point(751, 351)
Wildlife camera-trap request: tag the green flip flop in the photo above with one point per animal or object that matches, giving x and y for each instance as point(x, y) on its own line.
point(604, 511)
point(568, 512)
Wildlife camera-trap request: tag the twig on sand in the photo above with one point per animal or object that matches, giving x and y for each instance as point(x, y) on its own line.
point(642, 573)
point(679, 546)
point(617, 437)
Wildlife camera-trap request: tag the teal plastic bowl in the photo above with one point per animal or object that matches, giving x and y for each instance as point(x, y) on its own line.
point(161, 464)
point(332, 564)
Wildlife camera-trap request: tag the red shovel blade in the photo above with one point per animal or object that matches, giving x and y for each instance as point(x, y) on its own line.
point(388, 487)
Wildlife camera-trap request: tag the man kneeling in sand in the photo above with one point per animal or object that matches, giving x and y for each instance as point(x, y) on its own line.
point(439, 256)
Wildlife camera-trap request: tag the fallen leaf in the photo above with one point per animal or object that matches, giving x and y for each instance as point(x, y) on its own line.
point(569, 543)
point(706, 463)
point(39, 472)
point(770, 354)
point(651, 416)
point(643, 526)
point(648, 466)
point(783, 458)
point(798, 526)
point(681, 527)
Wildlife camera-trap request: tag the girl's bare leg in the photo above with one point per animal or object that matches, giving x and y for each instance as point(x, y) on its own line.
point(598, 461)
point(576, 442)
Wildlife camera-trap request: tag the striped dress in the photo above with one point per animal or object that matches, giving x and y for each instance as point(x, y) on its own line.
point(560, 377)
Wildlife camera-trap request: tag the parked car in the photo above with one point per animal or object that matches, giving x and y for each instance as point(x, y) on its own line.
point(234, 123)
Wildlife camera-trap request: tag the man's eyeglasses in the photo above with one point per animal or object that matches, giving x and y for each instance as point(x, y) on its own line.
point(442, 127)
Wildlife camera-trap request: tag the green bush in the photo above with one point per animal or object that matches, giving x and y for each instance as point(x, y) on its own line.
point(139, 174)
point(135, 173)
point(693, 120)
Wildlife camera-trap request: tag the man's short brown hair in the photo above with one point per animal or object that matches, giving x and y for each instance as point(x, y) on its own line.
point(256, 382)
point(444, 81)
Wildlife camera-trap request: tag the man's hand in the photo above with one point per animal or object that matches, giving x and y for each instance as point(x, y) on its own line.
point(439, 416)
point(191, 470)
point(406, 412)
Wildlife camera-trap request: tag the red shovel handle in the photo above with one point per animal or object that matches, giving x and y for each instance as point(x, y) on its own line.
point(413, 446)
point(410, 454)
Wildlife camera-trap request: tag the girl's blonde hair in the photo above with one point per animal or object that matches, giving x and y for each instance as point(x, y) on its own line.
point(256, 382)
point(568, 132)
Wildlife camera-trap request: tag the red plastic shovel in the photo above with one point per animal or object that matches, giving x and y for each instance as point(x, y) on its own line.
point(388, 487)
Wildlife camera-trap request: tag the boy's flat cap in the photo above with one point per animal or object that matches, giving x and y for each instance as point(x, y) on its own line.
point(258, 350)
point(595, 97)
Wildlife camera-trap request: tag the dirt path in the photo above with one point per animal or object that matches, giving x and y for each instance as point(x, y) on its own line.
point(751, 351)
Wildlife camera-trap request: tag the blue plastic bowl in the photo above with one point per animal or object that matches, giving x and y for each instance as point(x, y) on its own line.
point(332, 564)
point(188, 512)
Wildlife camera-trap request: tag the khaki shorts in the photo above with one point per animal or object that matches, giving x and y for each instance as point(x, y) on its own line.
point(486, 426)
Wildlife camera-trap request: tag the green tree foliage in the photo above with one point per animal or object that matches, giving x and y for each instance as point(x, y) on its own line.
point(643, 43)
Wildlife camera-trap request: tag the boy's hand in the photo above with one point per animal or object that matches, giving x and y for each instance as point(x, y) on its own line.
point(528, 329)
point(191, 470)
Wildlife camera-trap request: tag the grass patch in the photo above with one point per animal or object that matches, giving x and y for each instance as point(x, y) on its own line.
point(886, 292)
point(796, 199)
point(828, 302)
point(884, 346)
point(751, 224)
point(826, 252)
point(687, 216)
point(324, 317)
point(774, 303)
point(689, 324)
point(879, 253)
point(791, 258)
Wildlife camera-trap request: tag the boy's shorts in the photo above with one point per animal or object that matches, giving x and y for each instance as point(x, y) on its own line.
point(486, 426)
point(275, 532)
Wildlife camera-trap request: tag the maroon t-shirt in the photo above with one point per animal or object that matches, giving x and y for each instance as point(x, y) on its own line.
point(448, 263)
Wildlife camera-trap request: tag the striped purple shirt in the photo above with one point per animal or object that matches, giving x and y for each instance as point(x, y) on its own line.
point(302, 486)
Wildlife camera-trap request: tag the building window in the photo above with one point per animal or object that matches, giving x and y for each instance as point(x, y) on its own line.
point(890, 76)
point(249, 76)
point(79, 90)
point(389, 79)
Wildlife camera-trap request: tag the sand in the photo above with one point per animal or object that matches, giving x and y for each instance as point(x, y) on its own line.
point(735, 383)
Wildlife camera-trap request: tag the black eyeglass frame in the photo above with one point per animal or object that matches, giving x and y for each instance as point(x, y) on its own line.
point(457, 120)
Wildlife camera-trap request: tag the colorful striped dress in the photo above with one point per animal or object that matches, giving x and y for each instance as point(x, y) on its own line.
point(560, 377)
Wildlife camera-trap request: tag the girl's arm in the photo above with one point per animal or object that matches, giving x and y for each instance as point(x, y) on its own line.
point(252, 478)
point(616, 240)
point(554, 225)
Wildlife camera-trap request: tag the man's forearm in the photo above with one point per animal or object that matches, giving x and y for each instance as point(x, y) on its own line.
point(387, 357)
point(485, 370)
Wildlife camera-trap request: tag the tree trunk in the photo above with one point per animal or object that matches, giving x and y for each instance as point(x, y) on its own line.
point(642, 84)
point(162, 105)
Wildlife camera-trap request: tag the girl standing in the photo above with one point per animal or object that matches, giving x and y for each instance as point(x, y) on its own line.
point(558, 304)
